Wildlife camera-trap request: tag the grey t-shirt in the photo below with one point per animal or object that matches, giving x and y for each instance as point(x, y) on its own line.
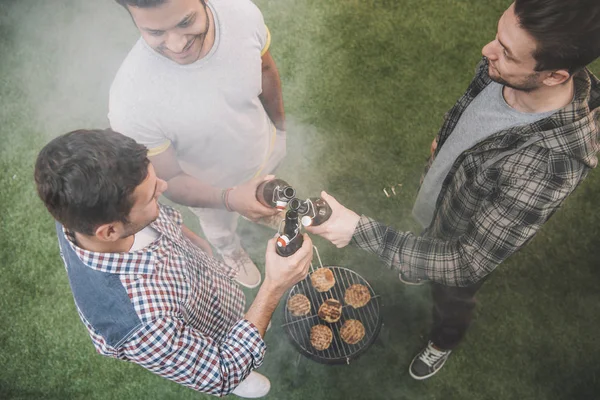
point(487, 114)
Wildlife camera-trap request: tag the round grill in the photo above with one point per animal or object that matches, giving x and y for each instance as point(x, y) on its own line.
point(339, 352)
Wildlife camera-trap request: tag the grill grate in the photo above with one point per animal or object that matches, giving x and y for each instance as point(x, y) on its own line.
point(298, 328)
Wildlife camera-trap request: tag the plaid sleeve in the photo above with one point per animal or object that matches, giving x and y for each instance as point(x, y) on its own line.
point(500, 227)
point(172, 349)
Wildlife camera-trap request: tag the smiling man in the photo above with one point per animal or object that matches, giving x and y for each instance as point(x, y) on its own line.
point(201, 90)
point(145, 286)
point(514, 147)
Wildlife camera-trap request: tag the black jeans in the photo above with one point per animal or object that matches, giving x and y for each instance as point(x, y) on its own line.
point(452, 313)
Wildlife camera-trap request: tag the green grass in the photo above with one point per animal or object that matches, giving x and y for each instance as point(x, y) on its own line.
point(366, 84)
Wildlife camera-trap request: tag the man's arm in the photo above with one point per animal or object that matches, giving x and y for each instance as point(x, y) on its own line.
point(183, 188)
point(169, 347)
point(281, 273)
point(271, 96)
point(500, 227)
point(189, 191)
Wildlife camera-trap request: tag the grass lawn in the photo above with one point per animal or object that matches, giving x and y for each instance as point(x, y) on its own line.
point(366, 84)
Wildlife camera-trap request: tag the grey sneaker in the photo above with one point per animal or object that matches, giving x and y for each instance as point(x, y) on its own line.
point(248, 274)
point(428, 362)
point(410, 281)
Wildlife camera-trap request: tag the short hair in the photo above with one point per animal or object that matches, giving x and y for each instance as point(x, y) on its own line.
point(141, 3)
point(86, 178)
point(567, 32)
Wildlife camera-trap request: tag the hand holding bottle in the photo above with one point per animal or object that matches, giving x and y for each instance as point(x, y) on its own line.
point(340, 227)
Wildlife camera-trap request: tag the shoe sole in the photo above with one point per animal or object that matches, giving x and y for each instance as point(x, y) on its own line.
point(421, 378)
point(249, 286)
point(410, 283)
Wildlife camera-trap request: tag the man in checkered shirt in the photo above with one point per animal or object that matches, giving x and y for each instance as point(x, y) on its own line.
point(145, 286)
point(514, 147)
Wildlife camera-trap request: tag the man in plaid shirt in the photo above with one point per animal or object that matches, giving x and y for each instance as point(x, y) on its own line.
point(146, 287)
point(513, 148)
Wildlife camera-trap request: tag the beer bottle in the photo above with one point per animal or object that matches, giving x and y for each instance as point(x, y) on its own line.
point(314, 210)
point(291, 240)
point(275, 193)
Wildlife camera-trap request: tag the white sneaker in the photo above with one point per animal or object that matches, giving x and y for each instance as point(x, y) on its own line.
point(248, 274)
point(254, 386)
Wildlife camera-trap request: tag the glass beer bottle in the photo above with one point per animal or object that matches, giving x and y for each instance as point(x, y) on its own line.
point(291, 240)
point(314, 210)
point(275, 193)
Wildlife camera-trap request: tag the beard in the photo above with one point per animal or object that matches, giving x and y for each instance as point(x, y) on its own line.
point(527, 84)
point(132, 228)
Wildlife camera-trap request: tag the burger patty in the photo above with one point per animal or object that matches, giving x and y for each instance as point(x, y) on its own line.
point(298, 305)
point(357, 295)
point(352, 331)
point(330, 311)
point(320, 337)
point(322, 279)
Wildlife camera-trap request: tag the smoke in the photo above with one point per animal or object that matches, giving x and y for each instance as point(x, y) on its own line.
point(69, 52)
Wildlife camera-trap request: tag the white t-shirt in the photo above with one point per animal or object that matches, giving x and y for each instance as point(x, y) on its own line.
point(209, 111)
point(143, 238)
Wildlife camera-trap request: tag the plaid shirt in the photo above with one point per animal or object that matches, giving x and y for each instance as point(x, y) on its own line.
point(498, 194)
point(189, 325)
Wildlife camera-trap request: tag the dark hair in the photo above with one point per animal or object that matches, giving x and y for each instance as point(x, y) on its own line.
point(567, 32)
point(144, 3)
point(141, 3)
point(86, 177)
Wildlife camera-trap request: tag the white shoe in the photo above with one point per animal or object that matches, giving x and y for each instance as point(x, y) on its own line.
point(248, 274)
point(254, 386)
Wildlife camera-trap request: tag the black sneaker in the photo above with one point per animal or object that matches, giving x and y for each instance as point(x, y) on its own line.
point(429, 361)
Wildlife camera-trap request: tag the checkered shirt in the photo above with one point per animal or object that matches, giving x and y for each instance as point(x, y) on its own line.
point(498, 194)
point(192, 329)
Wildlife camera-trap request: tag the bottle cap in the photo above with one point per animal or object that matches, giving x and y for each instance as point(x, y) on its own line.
point(306, 220)
point(280, 205)
point(283, 241)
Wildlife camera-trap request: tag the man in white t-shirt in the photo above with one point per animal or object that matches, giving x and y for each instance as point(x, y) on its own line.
point(202, 92)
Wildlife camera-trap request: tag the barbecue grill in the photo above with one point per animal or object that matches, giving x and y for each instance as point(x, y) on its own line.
point(339, 352)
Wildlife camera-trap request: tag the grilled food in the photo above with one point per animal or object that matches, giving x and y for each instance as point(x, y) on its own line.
point(357, 296)
point(322, 279)
point(320, 337)
point(352, 331)
point(298, 305)
point(330, 311)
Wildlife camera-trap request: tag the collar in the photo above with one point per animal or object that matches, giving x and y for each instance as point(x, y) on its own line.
point(573, 130)
point(129, 263)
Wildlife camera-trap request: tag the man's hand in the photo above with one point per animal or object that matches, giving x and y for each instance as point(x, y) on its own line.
point(339, 228)
point(243, 200)
point(433, 146)
point(281, 273)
